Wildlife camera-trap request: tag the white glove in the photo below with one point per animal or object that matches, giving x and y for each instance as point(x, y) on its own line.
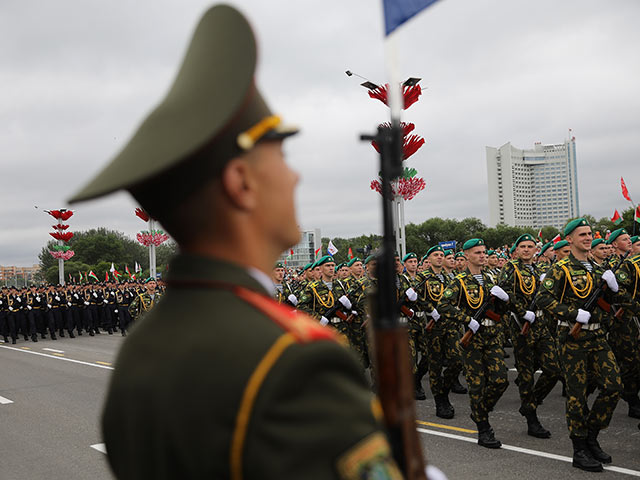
point(68, 304)
point(610, 277)
point(115, 311)
point(37, 299)
point(324, 321)
point(583, 316)
point(86, 303)
point(435, 315)
point(29, 307)
point(292, 299)
point(542, 276)
point(105, 301)
point(434, 473)
point(498, 292)
point(57, 298)
point(529, 316)
point(411, 294)
point(19, 299)
point(346, 303)
point(49, 306)
point(95, 294)
point(354, 313)
point(11, 309)
point(0, 302)
point(75, 295)
point(473, 325)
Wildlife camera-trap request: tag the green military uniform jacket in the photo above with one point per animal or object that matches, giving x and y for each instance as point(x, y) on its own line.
point(248, 390)
point(628, 296)
point(431, 292)
point(142, 303)
point(316, 299)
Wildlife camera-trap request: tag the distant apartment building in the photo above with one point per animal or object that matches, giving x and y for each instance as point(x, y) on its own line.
point(304, 251)
point(17, 276)
point(535, 188)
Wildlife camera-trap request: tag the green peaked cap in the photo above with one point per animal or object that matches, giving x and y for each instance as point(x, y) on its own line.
point(409, 256)
point(635, 239)
point(205, 119)
point(596, 242)
point(352, 261)
point(278, 265)
point(615, 234)
point(474, 242)
point(573, 224)
point(560, 244)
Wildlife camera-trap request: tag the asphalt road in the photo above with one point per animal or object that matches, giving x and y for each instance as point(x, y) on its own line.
point(50, 430)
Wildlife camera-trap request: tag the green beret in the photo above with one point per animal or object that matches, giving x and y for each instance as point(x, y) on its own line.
point(545, 247)
point(150, 279)
point(635, 239)
point(615, 234)
point(560, 244)
point(448, 252)
point(523, 238)
point(435, 248)
point(278, 265)
point(474, 242)
point(596, 242)
point(460, 254)
point(307, 266)
point(513, 248)
point(409, 256)
point(573, 224)
point(491, 252)
point(352, 261)
point(339, 266)
point(325, 259)
point(369, 258)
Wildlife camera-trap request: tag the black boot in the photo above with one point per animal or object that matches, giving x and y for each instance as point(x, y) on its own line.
point(419, 393)
point(444, 409)
point(457, 387)
point(594, 447)
point(53, 336)
point(534, 427)
point(71, 335)
point(91, 333)
point(34, 338)
point(13, 341)
point(486, 436)
point(582, 457)
point(61, 333)
point(634, 408)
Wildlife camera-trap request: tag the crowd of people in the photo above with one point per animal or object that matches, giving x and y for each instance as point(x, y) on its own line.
point(536, 294)
point(92, 308)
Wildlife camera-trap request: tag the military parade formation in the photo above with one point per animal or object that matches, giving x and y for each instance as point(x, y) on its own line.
point(53, 311)
point(569, 310)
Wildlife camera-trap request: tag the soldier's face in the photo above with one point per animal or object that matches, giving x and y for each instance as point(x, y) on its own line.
point(436, 259)
point(328, 270)
point(477, 256)
point(563, 252)
point(151, 286)
point(580, 239)
point(600, 252)
point(317, 273)
point(461, 263)
point(278, 274)
point(623, 243)
point(399, 266)
point(411, 265)
point(525, 250)
point(357, 269)
point(635, 248)
point(492, 260)
point(343, 273)
point(450, 262)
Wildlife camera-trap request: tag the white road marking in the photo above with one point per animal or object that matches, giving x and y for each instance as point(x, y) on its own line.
point(101, 447)
point(53, 350)
point(5, 401)
point(58, 358)
point(527, 451)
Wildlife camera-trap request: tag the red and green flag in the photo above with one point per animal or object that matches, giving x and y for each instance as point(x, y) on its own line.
point(92, 275)
point(636, 217)
point(350, 253)
point(625, 191)
point(318, 251)
point(616, 219)
point(126, 269)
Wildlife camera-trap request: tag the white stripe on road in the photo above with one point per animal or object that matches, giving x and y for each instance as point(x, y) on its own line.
point(53, 350)
point(5, 401)
point(527, 451)
point(58, 358)
point(101, 447)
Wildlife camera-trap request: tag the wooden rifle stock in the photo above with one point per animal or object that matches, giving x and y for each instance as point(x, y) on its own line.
point(595, 300)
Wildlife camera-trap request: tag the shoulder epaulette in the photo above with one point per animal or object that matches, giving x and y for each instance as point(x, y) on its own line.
point(635, 259)
point(564, 261)
point(461, 275)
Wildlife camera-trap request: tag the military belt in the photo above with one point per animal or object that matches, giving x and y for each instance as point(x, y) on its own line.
point(488, 323)
point(335, 320)
point(588, 326)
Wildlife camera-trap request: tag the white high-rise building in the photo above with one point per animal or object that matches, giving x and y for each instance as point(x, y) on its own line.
point(533, 188)
point(304, 251)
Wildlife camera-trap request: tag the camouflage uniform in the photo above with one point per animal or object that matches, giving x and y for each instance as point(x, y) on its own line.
point(142, 303)
point(354, 329)
point(564, 290)
point(485, 370)
point(417, 339)
point(535, 350)
point(623, 334)
point(282, 293)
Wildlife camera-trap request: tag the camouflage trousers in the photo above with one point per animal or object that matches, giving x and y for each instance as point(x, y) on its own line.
point(444, 358)
point(485, 371)
point(356, 336)
point(588, 359)
point(417, 341)
point(535, 350)
point(623, 339)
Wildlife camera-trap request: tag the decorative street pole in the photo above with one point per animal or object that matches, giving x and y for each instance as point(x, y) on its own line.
point(61, 250)
point(151, 238)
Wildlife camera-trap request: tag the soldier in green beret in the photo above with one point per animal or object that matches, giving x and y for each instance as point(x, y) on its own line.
point(537, 348)
point(449, 264)
point(317, 297)
point(283, 291)
point(620, 240)
point(561, 250)
point(461, 262)
point(588, 357)
point(492, 264)
point(635, 244)
point(145, 300)
point(599, 252)
point(484, 364)
point(285, 401)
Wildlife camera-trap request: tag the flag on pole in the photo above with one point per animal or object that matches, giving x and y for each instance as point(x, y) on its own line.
point(350, 253)
point(106, 276)
point(616, 219)
point(112, 269)
point(540, 234)
point(318, 251)
point(80, 277)
point(556, 239)
point(396, 12)
point(331, 249)
point(625, 191)
point(92, 275)
point(291, 252)
point(636, 217)
point(126, 269)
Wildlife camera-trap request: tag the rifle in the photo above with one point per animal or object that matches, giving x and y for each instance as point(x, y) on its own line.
point(596, 299)
point(337, 308)
point(406, 311)
point(482, 312)
point(395, 380)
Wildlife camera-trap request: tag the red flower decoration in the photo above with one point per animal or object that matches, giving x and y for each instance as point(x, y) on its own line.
point(410, 94)
point(59, 226)
point(142, 214)
point(411, 145)
point(406, 188)
point(54, 213)
point(66, 215)
point(154, 237)
point(62, 255)
point(65, 237)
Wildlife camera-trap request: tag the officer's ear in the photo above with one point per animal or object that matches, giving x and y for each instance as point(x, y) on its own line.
point(240, 182)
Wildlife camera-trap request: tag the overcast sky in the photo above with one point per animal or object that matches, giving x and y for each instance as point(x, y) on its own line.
point(78, 76)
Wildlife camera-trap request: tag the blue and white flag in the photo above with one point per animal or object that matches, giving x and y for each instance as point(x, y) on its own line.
point(396, 12)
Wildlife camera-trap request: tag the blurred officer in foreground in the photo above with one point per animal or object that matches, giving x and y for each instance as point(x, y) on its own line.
point(250, 389)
